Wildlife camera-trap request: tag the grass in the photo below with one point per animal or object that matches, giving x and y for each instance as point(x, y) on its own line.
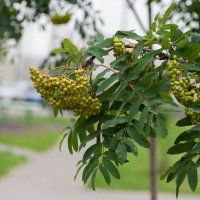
point(135, 174)
point(34, 133)
point(37, 119)
point(40, 141)
point(8, 161)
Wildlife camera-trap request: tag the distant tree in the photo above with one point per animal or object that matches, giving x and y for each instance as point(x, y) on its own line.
point(187, 11)
point(14, 13)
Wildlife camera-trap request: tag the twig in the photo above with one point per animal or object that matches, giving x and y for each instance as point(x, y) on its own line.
point(131, 6)
point(161, 56)
point(54, 69)
point(91, 59)
point(89, 62)
point(107, 68)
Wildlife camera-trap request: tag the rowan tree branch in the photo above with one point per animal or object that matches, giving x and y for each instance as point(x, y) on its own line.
point(160, 56)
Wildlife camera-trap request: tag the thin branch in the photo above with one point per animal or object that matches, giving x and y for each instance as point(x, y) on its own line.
point(91, 59)
point(54, 69)
point(161, 56)
point(131, 6)
point(111, 69)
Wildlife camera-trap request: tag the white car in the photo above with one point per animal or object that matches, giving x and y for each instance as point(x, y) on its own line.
point(21, 90)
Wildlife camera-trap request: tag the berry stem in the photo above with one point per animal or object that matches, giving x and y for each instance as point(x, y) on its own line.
point(56, 68)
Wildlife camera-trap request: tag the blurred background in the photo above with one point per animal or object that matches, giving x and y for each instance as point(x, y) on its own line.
point(29, 134)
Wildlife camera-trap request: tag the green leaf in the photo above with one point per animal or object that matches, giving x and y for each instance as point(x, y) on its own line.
point(196, 149)
point(195, 128)
point(117, 92)
point(138, 137)
point(143, 62)
point(180, 178)
point(128, 97)
point(120, 63)
point(70, 142)
point(166, 110)
point(190, 67)
point(107, 83)
point(195, 38)
point(134, 109)
point(93, 178)
point(142, 119)
point(105, 174)
point(106, 95)
point(146, 80)
point(187, 135)
point(161, 129)
point(131, 146)
point(83, 124)
point(190, 52)
point(121, 152)
point(181, 147)
point(156, 88)
point(163, 176)
point(62, 140)
point(128, 34)
point(198, 163)
point(70, 46)
point(174, 33)
point(98, 52)
point(184, 122)
point(98, 78)
point(192, 175)
point(183, 43)
point(105, 43)
point(167, 14)
point(172, 172)
point(90, 167)
point(111, 168)
point(55, 112)
point(91, 150)
point(166, 42)
point(89, 138)
point(61, 50)
point(111, 155)
point(78, 170)
point(113, 122)
point(75, 141)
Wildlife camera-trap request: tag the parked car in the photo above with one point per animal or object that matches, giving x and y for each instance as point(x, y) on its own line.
point(21, 90)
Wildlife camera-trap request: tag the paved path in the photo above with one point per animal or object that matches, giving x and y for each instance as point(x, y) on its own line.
point(49, 176)
point(18, 150)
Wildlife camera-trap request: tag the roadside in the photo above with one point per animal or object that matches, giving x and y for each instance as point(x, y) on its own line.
point(49, 176)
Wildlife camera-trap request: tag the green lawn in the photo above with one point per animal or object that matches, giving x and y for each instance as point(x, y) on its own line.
point(37, 119)
point(40, 141)
point(9, 161)
point(38, 133)
point(135, 174)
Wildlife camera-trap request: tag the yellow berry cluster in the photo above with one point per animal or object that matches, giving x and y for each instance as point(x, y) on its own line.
point(120, 47)
point(65, 93)
point(184, 91)
point(194, 116)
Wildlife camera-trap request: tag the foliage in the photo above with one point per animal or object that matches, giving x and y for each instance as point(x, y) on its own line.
point(134, 96)
point(187, 11)
point(191, 10)
point(15, 13)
